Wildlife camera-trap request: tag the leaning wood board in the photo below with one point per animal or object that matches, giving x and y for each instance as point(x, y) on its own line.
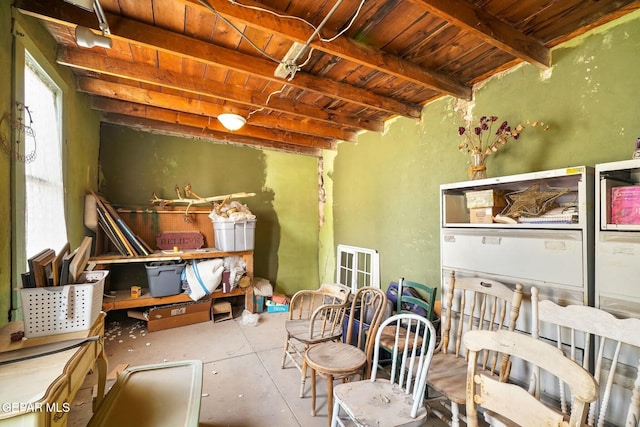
point(80, 260)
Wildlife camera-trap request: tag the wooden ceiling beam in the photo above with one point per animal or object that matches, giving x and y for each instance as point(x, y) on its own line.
point(202, 123)
point(156, 38)
point(341, 47)
point(163, 128)
point(86, 60)
point(138, 95)
point(497, 33)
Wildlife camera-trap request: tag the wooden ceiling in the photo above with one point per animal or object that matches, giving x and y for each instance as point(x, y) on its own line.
point(175, 65)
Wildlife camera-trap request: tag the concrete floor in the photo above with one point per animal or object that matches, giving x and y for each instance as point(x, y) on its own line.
point(243, 383)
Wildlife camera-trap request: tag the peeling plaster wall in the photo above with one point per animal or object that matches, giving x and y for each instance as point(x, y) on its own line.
point(386, 187)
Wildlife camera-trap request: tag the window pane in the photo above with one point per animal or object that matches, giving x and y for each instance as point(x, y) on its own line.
point(44, 199)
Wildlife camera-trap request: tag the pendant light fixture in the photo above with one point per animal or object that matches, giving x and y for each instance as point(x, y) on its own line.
point(232, 121)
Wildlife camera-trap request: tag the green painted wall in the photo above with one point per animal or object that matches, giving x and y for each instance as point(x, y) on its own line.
point(5, 194)
point(386, 186)
point(135, 164)
point(80, 151)
point(293, 182)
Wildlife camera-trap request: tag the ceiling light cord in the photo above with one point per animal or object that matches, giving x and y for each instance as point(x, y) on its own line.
point(267, 101)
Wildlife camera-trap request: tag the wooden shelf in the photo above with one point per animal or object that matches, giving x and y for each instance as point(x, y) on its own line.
point(205, 253)
point(148, 224)
point(122, 299)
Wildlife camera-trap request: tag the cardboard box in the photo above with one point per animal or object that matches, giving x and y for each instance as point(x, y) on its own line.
point(625, 205)
point(274, 307)
point(221, 311)
point(483, 215)
point(175, 315)
point(136, 292)
point(258, 303)
point(485, 199)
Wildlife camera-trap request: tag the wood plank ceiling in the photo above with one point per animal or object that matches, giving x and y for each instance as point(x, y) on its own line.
point(175, 65)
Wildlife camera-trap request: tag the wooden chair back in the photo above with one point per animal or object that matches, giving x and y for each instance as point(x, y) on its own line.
point(324, 308)
point(513, 402)
point(599, 342)
point(474, 303)
point(364, 318)
point(410, 360)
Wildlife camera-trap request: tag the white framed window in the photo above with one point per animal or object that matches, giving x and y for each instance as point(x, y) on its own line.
point(357, 267)
point(36, 146)
point(44, 190)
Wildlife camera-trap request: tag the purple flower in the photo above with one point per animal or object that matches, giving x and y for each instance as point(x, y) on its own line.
point(485, 141)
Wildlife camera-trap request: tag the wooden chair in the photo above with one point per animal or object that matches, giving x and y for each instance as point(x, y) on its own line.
point(606, 345)
point(512, 402)
point(397, 401)
point(341, 360)
point(315, 316)
point(470, 303)
point(409, 304)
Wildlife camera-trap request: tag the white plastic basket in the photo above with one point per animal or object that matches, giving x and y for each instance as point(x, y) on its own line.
point(61, 309)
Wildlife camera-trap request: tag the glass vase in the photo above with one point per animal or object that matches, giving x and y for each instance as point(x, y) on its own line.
point(478, 168)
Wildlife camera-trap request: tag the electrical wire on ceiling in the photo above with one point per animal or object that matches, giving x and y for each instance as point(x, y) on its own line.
point(279, 15)
point(267, 101)
point(353, 18)
point(242, 35)
point(289, 65)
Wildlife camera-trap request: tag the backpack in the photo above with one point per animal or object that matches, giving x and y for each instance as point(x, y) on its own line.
point(392, 296)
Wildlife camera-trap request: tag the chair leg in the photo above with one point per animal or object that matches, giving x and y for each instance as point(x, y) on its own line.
point(329, 393)
point(335, 414)
point(285, 351)
point(303, 378)
point(455, 415)
point(313, 392)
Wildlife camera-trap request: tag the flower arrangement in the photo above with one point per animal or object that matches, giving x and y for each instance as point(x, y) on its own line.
point(483, 141)
point(480, 141)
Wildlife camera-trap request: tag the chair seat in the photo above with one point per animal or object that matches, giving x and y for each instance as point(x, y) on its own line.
point(336, 358)
point(299, 329)
point(373, 402)
point(448, 376)
point(388, 337)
